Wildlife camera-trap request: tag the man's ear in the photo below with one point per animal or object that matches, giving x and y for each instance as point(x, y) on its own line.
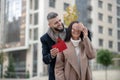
point(49, 24)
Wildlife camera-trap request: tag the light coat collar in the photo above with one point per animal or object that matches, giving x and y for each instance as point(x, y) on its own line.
point(72, 58)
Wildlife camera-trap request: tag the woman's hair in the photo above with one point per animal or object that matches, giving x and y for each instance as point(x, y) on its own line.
point(69, 35)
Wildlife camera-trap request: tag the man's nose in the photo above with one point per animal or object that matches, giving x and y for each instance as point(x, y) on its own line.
point(59, 22)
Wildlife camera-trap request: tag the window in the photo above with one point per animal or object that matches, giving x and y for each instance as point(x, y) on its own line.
point(118, 2)
point(100, 4)
point(35, 18)
point(65, 5)
point(30, 20)
point(118, 22)
point(36, 4)
point(31, 4)
point(100, 29)
point(118, 34)
point(110, 19)
point(0, 11)
point(110, 31)
point(110, 7)
point(101, 42)
point(35, 58)
point(52, 3)
point(36, 34)
point(30, 34)
point(118, 11)
point(119, 46)
point(19, 58)
point(13, 30)
point(110, 44)
point(100, 16)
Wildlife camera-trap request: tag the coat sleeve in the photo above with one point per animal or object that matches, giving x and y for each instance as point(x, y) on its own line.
point(89, 50)
point(47, 59)
point(59, 67)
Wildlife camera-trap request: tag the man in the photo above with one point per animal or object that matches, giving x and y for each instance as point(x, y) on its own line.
point(56, 30)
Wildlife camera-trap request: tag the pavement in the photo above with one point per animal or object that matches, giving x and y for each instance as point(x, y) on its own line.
point(97, 75)
point(100, 75)
point(111, 75)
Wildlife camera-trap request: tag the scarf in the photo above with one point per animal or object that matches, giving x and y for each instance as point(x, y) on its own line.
point(54, 36)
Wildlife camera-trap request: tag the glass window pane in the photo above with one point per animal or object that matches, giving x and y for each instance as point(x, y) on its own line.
point(36, 34)
point(118, 22)
point(36, 4)
point(118, 34)
point(118, 2)
point(65, 5)
point(110, 19)
point(118, 11)
point(35, 52)
point(31, 4)
point(100, 29)
point(110, 7)
point(30, 34)
point(110, 44)
point(110, 32)
point(14, 23)
point(52, 3)
point(100, 42)
point(100, 4)
point(118, 46)
point(100, 16)
point(35, 18)
point(31, 19)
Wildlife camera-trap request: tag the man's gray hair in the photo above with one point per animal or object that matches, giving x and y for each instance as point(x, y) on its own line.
point(51, 15)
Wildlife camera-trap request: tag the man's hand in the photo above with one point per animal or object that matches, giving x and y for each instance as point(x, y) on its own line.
point(54, 52)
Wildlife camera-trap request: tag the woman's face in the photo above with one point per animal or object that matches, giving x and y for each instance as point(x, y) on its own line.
point(76, 31)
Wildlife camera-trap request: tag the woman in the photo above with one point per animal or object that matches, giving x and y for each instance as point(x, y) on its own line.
point(73, 63)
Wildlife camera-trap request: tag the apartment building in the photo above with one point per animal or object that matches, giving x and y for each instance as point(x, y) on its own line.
point(0, 16)
point(22, 23)
point(102, 18)
point(118, 24)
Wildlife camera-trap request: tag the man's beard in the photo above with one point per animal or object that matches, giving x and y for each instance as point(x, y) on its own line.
point(59, 30)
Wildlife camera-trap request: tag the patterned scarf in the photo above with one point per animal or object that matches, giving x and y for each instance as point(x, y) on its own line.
point(54, 36)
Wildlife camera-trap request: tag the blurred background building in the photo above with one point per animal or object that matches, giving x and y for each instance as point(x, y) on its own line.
point(102, 17)
point(23, 22)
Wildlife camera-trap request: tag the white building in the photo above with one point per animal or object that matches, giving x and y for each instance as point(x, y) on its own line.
point(104, 27)
point(22, 23)
point(102, 17)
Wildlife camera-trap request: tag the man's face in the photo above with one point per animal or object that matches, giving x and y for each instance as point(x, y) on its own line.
point(56, 24)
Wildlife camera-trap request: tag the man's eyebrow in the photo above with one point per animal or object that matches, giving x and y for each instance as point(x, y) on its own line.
point(57, 21)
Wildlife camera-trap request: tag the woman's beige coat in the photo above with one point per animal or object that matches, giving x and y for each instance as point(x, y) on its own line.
point(67, 66)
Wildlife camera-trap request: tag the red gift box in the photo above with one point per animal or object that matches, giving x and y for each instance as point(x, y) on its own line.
point(60, 45)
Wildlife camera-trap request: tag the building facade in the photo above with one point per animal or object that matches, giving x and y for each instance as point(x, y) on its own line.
point(22, 23)
point(102, 18)
point(118, 24)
